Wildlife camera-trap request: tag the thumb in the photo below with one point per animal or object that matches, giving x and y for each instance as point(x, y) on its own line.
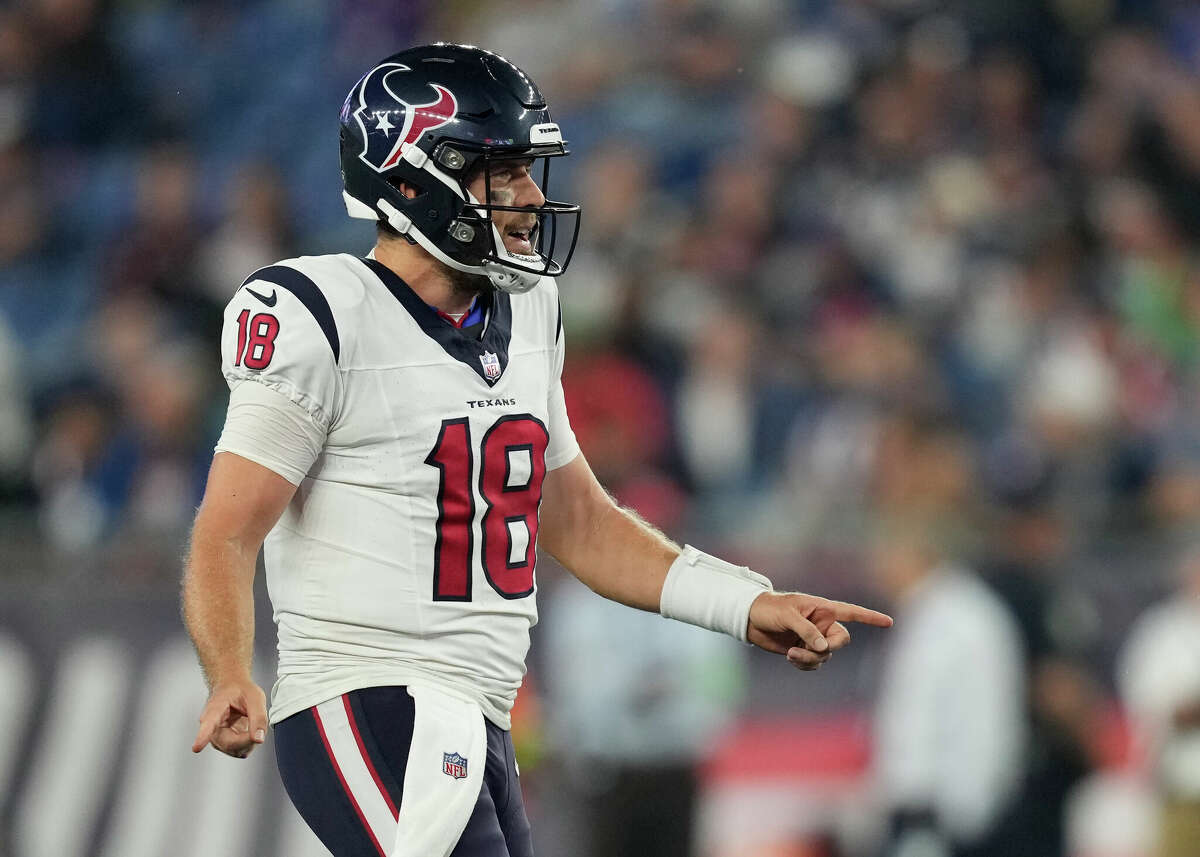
point(813, 639)
point(257, 714)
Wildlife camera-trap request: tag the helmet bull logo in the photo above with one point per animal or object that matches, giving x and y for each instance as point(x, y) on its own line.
point(382, 109)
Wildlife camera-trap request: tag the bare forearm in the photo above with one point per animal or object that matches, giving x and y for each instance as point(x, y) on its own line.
point(218, 606)
point(621, 557)
point(242, 501)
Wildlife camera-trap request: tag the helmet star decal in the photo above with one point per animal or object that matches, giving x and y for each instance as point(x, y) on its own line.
point(382, 122)
point(413, 117)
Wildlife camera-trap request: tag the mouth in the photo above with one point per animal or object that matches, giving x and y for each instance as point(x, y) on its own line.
point(519, 240)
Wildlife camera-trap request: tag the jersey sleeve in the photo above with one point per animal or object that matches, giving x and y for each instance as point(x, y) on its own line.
point(284, 338)
point(270, 429)
point(563, 447)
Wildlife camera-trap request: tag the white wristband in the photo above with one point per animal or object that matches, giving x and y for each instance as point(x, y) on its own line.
point(703, 590)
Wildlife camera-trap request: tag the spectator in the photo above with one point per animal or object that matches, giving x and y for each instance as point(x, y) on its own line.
point(632, 728)
point(1159, 678)
point(950, 727)
point(155, 255)
point(1029, 544)
point(83, 94)
point(255, 230)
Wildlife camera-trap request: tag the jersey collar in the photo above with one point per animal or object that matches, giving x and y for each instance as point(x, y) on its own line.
point(486, 356)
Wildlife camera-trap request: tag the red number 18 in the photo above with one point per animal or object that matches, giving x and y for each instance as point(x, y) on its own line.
point(256, 339)
point(512, 465)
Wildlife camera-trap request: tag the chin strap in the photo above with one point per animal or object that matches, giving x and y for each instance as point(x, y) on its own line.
point(508, 280)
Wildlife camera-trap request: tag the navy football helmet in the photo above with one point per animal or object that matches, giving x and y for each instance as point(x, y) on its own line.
point(432, 117)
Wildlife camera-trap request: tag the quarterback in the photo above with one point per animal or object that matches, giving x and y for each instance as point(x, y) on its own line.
point(397, 445)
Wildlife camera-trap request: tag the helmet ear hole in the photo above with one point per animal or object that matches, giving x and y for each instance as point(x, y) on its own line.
point(407, 189)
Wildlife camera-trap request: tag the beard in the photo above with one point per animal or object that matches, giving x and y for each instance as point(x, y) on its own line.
point(467, 285)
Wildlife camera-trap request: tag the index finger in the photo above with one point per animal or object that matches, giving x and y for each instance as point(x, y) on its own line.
point(209, 721)
point(845, 612)
point(203, 735)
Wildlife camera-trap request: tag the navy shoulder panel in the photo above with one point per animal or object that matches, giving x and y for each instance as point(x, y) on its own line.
point(307, 293)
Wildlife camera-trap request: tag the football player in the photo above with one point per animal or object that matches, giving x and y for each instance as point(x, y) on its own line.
point(397, 444)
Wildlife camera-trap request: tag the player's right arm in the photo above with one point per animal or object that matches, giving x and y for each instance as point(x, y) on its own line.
point(242, 501)
point(279, 353)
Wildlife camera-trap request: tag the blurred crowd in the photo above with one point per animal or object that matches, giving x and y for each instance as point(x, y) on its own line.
point(894, 299)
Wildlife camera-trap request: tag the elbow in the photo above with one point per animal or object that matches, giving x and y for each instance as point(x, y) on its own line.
point(580, 545)
point(221, 533)
point(569, 530)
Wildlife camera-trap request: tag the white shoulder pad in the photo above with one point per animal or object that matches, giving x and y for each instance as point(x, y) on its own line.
point(280, 331)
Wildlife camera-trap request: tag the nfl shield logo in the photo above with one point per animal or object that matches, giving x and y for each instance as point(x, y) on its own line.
point(454, 765)
point(491, 365)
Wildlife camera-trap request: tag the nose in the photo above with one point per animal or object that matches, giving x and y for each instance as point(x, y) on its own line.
point(528, 194)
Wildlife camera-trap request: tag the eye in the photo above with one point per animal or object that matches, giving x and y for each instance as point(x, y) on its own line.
point(509, 172)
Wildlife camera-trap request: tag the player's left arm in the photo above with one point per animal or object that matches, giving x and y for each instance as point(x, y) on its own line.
point(621, 557)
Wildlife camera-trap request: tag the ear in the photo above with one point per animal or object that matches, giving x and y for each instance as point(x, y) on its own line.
point(409, 191)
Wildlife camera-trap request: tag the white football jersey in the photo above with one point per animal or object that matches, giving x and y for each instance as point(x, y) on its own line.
point(407, 553)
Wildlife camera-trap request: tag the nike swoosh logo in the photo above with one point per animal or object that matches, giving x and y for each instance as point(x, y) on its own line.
point(269, 301)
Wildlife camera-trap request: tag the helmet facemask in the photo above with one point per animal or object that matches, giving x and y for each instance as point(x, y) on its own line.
point(479, 240)
point(466, 236)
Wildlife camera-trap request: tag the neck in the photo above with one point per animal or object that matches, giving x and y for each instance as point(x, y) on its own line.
point(433, 282)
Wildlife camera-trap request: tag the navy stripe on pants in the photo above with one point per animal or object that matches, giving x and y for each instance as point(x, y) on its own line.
point(382, 720)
